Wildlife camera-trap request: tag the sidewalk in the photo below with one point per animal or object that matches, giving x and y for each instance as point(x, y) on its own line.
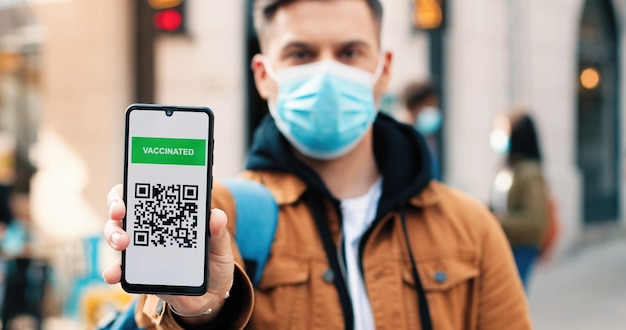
point(586, 289)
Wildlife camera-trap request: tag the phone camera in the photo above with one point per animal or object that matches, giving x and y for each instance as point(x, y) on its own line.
point(169, 112)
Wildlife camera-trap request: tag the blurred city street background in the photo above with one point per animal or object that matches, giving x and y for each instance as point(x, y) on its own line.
point(584, 289)
point(69, 69)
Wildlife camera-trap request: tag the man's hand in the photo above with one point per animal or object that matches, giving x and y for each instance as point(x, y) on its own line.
point(221, 261)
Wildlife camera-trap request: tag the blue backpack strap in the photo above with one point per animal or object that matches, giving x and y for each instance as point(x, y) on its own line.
point(257, 218)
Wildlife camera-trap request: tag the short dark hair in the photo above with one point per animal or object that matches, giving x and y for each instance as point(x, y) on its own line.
point(415, 93)
point(524, 141)
point(264, 11)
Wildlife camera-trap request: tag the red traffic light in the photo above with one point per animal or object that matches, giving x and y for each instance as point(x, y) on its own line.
point(168, 20)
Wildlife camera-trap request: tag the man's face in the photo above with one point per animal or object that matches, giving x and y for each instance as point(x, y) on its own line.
point(309, 31)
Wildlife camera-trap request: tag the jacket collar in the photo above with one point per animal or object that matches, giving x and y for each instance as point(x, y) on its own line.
point(287, 189)
point(429, 196)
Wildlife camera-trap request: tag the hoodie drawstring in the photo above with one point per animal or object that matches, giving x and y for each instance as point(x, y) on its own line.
point(317, 207)
point(422, 302)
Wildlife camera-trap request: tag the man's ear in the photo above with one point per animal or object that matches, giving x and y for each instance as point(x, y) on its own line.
point(265, 85)
point(385, 76)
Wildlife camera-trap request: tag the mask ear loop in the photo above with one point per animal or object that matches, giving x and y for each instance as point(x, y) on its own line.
point(378, 73)
point(379, 68)
point(272, 74)
point(269, 69)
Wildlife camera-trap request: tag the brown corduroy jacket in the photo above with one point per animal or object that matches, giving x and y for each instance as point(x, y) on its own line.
point(463, 258)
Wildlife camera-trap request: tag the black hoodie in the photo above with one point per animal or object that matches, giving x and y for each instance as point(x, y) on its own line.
point(401, 155)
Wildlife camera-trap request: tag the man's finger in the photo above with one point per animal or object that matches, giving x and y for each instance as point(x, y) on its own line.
point(112, 274)
point(221, 255)
point(220, 240)
point(115, 205)
point(115, 236)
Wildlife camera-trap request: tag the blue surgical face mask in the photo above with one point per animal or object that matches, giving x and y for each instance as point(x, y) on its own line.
point(428, 121)
point(324, 108)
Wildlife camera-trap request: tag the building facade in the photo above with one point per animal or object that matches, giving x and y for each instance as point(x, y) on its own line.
point(496, 54)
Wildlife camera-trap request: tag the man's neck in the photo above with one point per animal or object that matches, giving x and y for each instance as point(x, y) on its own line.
point(352, 174)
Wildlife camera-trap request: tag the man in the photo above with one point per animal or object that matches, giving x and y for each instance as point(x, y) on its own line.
point(365, 239)
point(421, 108)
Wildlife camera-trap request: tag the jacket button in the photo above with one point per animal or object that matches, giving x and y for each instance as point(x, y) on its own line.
point(159, 308)
point(328, 276)
point(440, 277)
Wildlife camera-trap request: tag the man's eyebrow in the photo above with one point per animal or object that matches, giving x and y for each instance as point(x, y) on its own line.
point(342, 45)
point(354, 43)
point(296, 44)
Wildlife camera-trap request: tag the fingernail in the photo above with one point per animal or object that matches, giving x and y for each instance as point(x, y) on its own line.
point(112, 204)
point(115, 237)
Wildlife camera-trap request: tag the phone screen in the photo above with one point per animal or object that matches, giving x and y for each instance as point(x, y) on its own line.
point(167, 190)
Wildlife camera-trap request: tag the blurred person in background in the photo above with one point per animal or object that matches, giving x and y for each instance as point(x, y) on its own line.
point(421, 109)
point(365, 238)
point(519, 193)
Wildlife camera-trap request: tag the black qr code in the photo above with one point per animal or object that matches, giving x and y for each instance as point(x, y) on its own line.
point(166, 215)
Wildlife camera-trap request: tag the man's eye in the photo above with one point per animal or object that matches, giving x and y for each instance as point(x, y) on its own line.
point(350, 53)
point(300, 55)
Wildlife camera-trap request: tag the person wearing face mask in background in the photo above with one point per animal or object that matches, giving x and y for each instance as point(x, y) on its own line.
point(519, 193)
point(365, 238)
point(421, 109)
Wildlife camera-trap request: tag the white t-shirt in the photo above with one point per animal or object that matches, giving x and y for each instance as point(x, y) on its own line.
point(358, 214)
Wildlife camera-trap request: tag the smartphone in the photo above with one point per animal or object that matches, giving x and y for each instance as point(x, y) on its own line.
point(167, 190)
